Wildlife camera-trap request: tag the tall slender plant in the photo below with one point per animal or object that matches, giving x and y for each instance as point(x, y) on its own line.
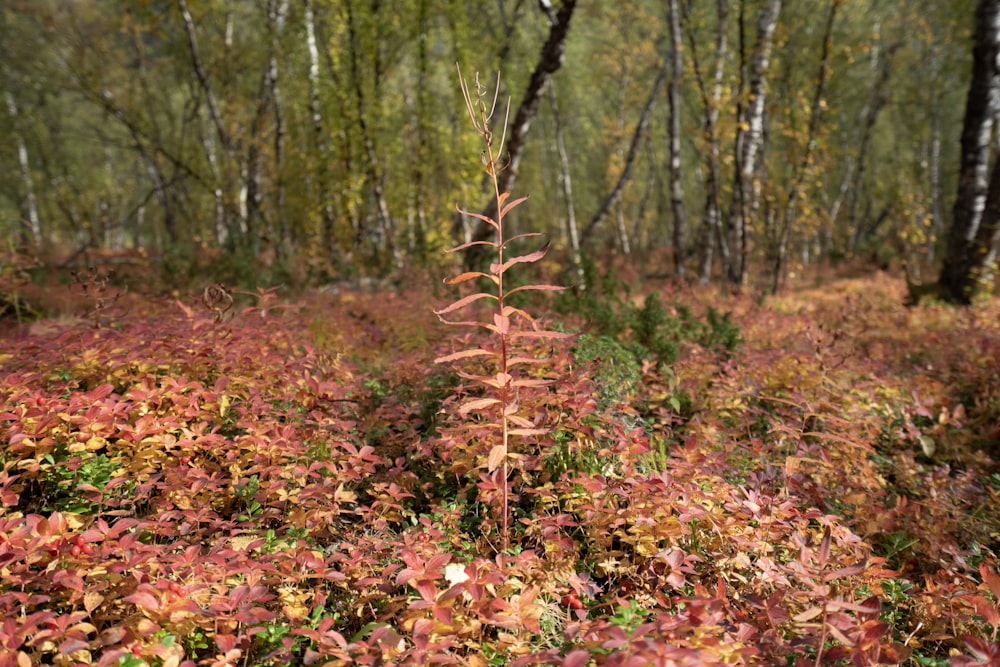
point(507, 323)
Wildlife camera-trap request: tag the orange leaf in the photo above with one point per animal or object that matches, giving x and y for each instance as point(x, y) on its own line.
point(465, 301)
point(807, 615)
point(521, 236)
point(477, 404)
point(540, 334)
point(528, 431)
point(520, 421)
point(463, 246)
point(468, 275)
point(496, 457)
point(528, 382)
point(545, 288)
point(465, 354)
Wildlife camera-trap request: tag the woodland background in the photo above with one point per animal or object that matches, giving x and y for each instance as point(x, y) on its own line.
point(202, 465)
point(321, 139)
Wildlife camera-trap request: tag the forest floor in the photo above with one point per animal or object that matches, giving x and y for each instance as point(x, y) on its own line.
point(806, 479)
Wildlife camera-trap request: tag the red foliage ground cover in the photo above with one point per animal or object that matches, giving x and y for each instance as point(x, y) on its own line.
point(295, 484)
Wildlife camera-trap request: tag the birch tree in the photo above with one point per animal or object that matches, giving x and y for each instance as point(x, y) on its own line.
point(749, 139)
point(972, 239)
point(674, 101)
point(710, 91)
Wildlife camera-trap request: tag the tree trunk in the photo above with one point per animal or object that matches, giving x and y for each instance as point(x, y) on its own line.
point(937, 215)
point(640, 129)
point(798, 178)
point(549, 61)
point(969, 247)
point(749, 138)
point(567, 190)
point(30, 207)
point(878, 95)
point(674, 99)
point(386, 243)
point(623, 239)
point(268, 99)
point(322, 146)
point(277, 13)
point(711, 227)
point(224, 230)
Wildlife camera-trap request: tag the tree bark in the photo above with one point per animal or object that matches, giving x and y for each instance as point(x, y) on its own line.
point(968, 247)
point(749, 138)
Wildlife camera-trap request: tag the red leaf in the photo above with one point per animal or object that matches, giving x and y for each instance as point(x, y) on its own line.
point(991, 579)
point(428, 591)
point(225, 643)
point(511, 205)
point(479, 216)
point(144, 600)
point(872, 633)
point(986, 609)
point(576, 658)
point(436, 562)
point(977, 647)
point(443, 614)
point(99, 392)
point(521, 259)
point(824, 546)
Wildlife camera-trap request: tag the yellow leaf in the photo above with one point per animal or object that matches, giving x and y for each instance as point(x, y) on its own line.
point(92, 601)
point(96, 443)
point(497, 455)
